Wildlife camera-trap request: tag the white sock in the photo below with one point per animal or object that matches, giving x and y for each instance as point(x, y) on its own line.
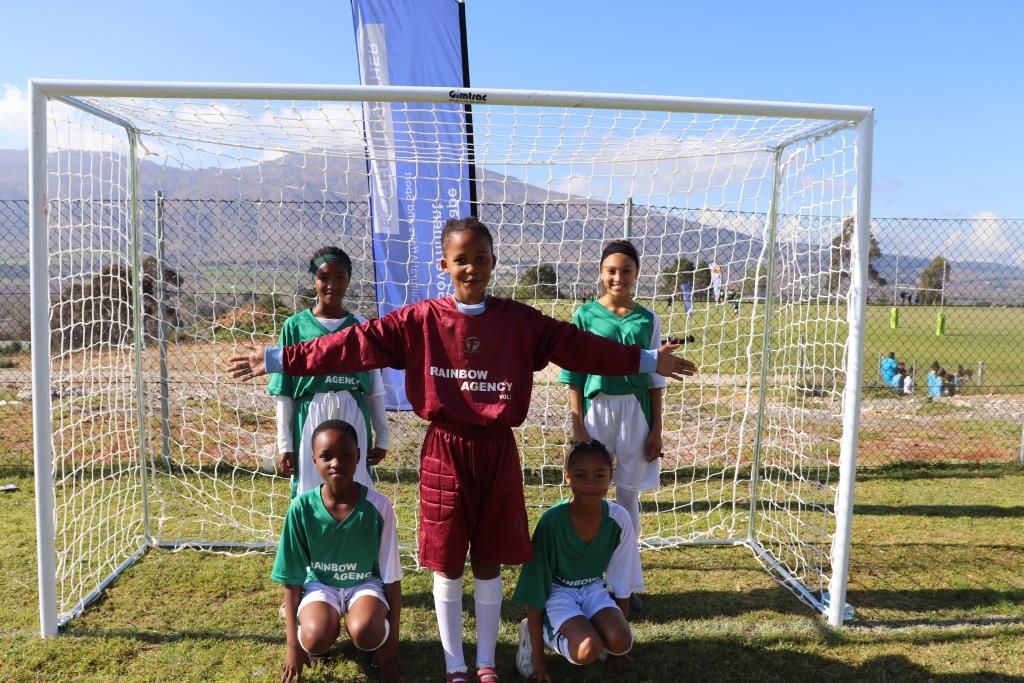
point(448, 606)
point(630, 499)
point(559, 644)
point(487, 596)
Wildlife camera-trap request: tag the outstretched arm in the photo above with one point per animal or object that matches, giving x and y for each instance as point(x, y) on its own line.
point(373, 344)
point(580, 351)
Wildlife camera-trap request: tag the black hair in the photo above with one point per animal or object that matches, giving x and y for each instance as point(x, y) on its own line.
point(594, 447)
point(340, 425)
point(471, 224)
point(621, 247)
point(338, 255)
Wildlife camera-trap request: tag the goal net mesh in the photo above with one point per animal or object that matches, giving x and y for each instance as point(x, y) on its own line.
point(249, 189)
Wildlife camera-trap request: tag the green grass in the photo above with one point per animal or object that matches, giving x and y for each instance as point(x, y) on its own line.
point(935, 580)
point(973, 334)
point(992, 335)
point(936, 562)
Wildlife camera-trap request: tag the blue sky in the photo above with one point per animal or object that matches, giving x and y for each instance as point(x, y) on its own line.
point(945, 77)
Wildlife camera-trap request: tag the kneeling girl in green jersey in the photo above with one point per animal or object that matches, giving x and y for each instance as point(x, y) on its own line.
point(582, 548)
point(338, 557)
point(305, 402)
point(622, 412)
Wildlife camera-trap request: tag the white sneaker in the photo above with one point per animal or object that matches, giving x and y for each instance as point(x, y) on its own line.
point(524, 653)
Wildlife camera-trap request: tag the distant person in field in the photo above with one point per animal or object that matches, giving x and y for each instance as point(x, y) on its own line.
point(888, 368)
point(305, 402)
point(908, 384)
point(949, 384)
point(338, 560)
point(585, 567)
point(897, 378)
point(686, 289)
point(623, 412)
point(935, 381)
point(716, 280)
point(734, 296)
point(469, 360)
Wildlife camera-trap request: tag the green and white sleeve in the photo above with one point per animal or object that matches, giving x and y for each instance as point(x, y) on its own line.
point(624, 574)
point(388, 561)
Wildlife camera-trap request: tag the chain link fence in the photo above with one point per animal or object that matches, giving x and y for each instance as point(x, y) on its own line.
point(946, 297)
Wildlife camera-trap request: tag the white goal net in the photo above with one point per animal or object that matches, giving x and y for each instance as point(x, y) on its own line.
point(176, 228)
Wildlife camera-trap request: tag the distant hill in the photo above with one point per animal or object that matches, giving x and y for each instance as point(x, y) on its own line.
point(251, 228)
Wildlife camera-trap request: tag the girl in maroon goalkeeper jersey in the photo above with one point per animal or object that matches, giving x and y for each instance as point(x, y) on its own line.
point(469, 360)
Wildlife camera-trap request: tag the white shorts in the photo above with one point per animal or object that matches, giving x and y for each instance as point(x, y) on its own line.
point(332, 405)
point(341, 598)
point(564, 603)
point(620, 424)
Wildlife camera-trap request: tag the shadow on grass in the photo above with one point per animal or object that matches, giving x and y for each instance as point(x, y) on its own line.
point(710, 604)
point(995, 511)
point(654, 661)
point(716, 659)
point(914, 470)
point(163, 637)
point(934, 599)
point(1007, 626)
point(15, 469)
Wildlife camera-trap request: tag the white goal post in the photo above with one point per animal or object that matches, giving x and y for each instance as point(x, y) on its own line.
point(170, 222)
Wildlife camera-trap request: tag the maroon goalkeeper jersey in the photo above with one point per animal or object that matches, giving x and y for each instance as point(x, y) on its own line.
point(464, 369)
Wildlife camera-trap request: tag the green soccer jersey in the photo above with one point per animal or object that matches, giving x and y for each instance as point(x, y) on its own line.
point(303, 326)
point(316, 547)
point(305, 391)
point(640, 327)
point(561, 558)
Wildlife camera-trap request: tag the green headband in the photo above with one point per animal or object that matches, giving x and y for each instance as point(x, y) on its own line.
point(315, 264)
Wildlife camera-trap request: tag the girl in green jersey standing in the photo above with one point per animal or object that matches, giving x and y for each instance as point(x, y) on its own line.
point(305, 402)
point(624, 413)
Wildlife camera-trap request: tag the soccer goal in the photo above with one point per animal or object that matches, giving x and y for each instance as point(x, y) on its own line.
point(172, 222)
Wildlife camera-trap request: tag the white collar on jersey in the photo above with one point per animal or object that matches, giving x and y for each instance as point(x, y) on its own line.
point(471, 309)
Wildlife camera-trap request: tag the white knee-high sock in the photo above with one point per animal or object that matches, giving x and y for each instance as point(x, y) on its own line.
point(448, 606)
point(487, 596)
point(630, 499)
point(559, 644)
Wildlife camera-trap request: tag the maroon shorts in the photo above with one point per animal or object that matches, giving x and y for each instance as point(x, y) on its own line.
point(471, 496)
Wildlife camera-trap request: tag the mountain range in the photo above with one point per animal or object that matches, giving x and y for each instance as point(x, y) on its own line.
point(261, 220)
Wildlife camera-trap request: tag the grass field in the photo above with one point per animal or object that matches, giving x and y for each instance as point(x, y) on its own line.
point(935, 578)
point(938, 548)
point(972, 335)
